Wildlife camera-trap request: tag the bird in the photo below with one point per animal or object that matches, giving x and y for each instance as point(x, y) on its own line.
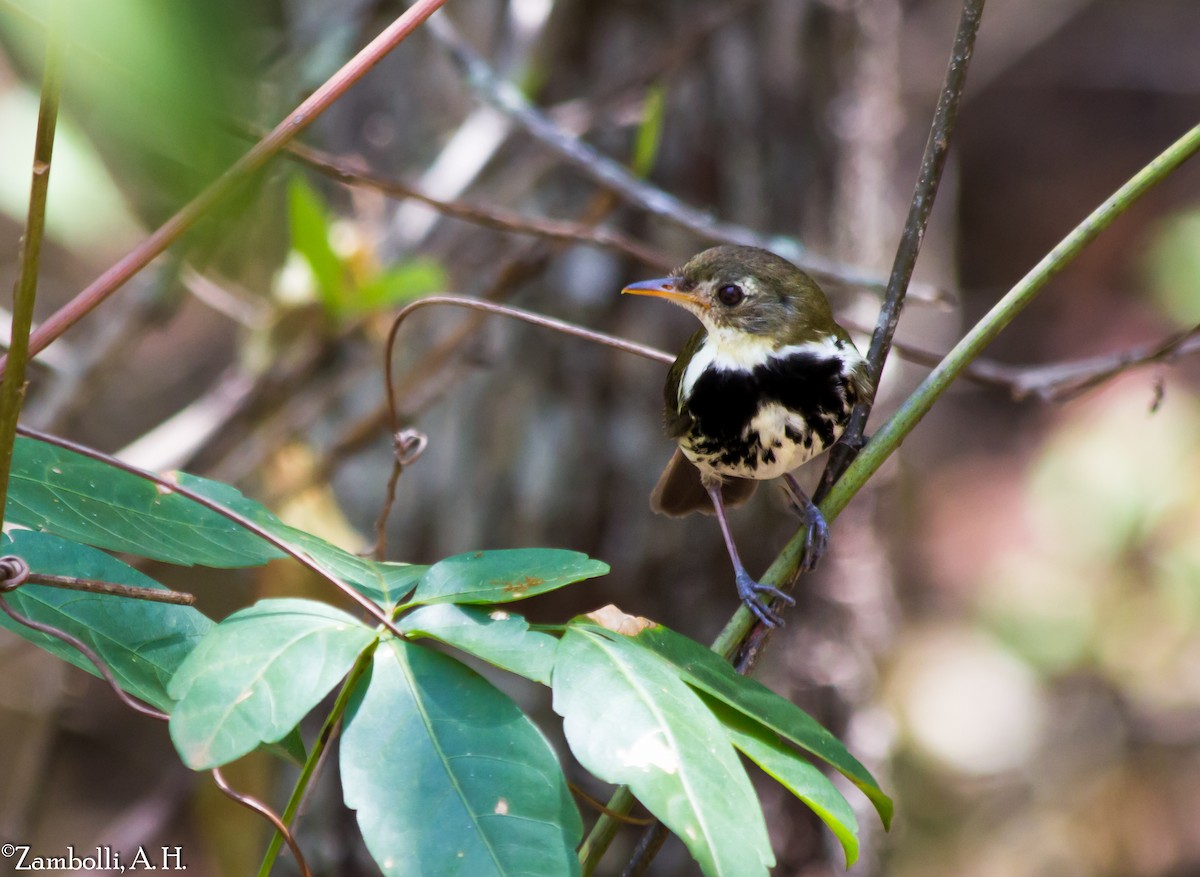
point(767, 383)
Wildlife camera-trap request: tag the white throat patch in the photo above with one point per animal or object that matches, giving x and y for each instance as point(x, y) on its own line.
point(730, 350)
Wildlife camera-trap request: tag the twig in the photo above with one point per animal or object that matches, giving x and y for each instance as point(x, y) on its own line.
point(174, 228)
point(95, 586)
point(12, 392)
point(612, 175)
point(1061, 381)
point(252, 803)
point(490, 217)
point(933, 163)
point(889, 436)
point(487, 307)
point(505, 311)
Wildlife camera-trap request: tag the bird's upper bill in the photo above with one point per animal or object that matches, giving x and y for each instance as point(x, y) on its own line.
point(668, 288)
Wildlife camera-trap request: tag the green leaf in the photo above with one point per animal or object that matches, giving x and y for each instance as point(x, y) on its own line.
point(406, 280)
point(793, 772)
point(630, 720)
point(308, 222)
point(143, 643)
point(449, 777)
point(498, 637)
point(705, 669)
point(385, 583)
point(503, 576)
point(81, 499)
point(649, 133)
point(257, 674)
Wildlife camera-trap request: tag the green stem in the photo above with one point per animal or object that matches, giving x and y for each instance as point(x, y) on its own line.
point(12, 392)
point(317, 753)
point(889, 437)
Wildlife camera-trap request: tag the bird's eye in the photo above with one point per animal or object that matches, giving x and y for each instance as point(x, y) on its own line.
point(730, 294)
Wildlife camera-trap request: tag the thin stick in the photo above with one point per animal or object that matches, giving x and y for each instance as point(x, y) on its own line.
point(174, 228)
point(506, 98)
point(536, 319)
point(95, 586)
point(933, 162)
point(252, 803)
point(490, 217)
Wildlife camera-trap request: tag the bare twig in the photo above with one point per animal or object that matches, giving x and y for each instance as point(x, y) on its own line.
point(12, 392)
point(96, 586)
point(505, 97)
point(174, 228)
point(517, 314)
point(1061, 381)
point(353, 174)
point(252, 803)
point(932, 164)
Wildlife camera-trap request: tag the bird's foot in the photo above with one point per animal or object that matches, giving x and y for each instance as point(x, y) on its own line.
point(751, 593)
point(816, 540)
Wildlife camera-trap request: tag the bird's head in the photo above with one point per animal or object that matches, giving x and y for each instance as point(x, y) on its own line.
point(746, 289)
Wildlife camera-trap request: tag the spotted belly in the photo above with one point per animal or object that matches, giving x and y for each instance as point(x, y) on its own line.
point(764, 421)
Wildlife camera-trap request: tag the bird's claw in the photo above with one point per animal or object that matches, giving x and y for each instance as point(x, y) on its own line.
point(751, 593)
point(815, 543)
point(816, 540)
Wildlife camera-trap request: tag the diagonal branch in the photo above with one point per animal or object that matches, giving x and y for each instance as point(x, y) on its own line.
point(175, 227)
point(933, 162)
point(1062, 381)
point(505, 97)
point(491, 217)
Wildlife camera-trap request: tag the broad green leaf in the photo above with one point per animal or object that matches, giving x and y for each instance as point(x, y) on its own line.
point(385, 583)
point(449, 777)
point(630, 720)
point(705, 669)
point(793, 772)
point(407, 280)
point(257, 674)
point(503, 576)
point(496, 636)
point(84, 500)
point(143, 643)
point(308, 223)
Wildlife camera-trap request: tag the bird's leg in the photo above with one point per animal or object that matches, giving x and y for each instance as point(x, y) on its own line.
point(817, 538)
point(748, 589)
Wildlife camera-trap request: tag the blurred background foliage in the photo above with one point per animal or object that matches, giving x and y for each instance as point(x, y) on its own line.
point(1007, 627)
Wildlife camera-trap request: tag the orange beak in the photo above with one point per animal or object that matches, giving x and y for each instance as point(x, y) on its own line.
point(666, 287)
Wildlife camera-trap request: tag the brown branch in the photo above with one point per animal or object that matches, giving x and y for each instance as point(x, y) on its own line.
point(933, 162)
point(1062, 381)
point(353, 174)
point(505, 97)
point(175, 227)
point(96, 586)
point(252, 803)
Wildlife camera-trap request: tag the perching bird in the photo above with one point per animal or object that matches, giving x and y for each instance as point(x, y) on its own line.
point(767, 384)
